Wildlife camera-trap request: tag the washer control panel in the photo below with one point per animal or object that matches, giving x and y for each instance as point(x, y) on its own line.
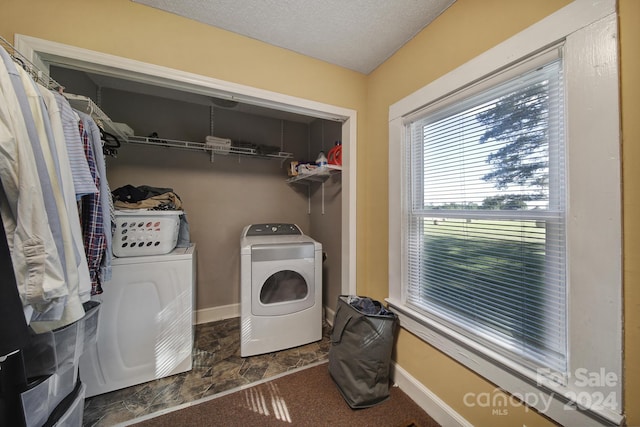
point(273, 229)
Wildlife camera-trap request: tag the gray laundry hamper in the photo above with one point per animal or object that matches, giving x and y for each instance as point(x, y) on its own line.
point(360, 351)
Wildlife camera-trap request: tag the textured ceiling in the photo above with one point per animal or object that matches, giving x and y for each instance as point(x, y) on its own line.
point(355, 34)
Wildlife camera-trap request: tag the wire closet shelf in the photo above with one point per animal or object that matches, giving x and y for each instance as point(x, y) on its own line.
point(190, 145)
point(36, 74)
point(88, 106)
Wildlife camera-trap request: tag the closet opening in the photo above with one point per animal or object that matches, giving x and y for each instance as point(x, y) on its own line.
point(171, 104)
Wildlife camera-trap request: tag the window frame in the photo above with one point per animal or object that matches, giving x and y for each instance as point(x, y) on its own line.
point(557, 192)
point(594, 260)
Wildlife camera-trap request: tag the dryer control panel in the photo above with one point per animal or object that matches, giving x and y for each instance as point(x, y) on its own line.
point(274, 229)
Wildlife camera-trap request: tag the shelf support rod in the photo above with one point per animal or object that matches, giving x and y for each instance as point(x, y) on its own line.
point(211, 120)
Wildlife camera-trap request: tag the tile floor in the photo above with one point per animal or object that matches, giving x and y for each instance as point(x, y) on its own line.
point(217, 366)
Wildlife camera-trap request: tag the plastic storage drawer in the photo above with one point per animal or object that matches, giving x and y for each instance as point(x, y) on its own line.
point(46, 394)
point(50, 351)
point(73, 416)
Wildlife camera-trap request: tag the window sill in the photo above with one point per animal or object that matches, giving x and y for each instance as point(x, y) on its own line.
point(540, 393)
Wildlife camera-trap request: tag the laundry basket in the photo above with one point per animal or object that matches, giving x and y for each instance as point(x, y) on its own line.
point(360, 352)
point(143, 232)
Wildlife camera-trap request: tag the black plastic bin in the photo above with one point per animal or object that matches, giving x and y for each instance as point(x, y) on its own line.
point(360, 352)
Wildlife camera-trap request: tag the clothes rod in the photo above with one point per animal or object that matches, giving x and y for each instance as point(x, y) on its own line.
point(36, 74)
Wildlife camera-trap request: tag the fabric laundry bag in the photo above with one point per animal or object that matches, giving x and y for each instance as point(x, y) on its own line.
point(360, 351)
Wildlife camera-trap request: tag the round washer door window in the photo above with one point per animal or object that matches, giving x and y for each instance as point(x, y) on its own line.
point(284, 286)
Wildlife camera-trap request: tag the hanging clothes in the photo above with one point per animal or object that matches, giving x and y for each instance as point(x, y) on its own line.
point(44, 177)
point(73, 309)
point(92, 213)
point(56, 205)
point(82, 179)
point(83, 182)
point(69, 191)
point(37, 264)
point(14, 333)
point(79, 283)
point(106, 201)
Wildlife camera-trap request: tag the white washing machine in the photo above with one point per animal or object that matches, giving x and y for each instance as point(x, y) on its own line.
point(280, 288)
point(145, 323)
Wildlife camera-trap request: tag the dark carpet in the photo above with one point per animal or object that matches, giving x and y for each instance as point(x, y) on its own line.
point(308, 397)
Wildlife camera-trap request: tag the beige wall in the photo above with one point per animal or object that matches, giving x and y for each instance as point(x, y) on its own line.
point(630, 90)
point(467, 29)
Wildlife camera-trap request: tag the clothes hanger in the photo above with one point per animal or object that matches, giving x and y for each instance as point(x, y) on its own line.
point(110, 143)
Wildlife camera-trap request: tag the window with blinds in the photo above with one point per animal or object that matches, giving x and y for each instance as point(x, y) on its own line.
point(486, 215)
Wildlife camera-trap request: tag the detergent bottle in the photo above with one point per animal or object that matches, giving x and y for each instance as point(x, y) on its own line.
point(321, 161)
point(335, 154)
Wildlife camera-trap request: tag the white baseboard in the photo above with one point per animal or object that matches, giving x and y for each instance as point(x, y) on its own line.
point(213, 314)
point(329, 315)
point(445, 415)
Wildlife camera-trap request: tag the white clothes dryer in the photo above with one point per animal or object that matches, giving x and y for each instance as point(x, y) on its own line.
point(280, 288)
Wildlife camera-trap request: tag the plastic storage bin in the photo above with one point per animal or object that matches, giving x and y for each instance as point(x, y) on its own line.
point(35, 401)
point(64, 382)
point(51, 364)
point(51, 351)
point(145, 232)
point(73, 416)
point(45, 394)
point(90, 324)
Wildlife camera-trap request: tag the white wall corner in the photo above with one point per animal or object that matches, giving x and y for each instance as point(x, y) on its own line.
point(442, 413)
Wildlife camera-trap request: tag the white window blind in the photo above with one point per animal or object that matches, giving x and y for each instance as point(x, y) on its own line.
point(486, 215)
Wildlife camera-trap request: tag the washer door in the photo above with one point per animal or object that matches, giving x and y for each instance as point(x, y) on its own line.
point(282, 278)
